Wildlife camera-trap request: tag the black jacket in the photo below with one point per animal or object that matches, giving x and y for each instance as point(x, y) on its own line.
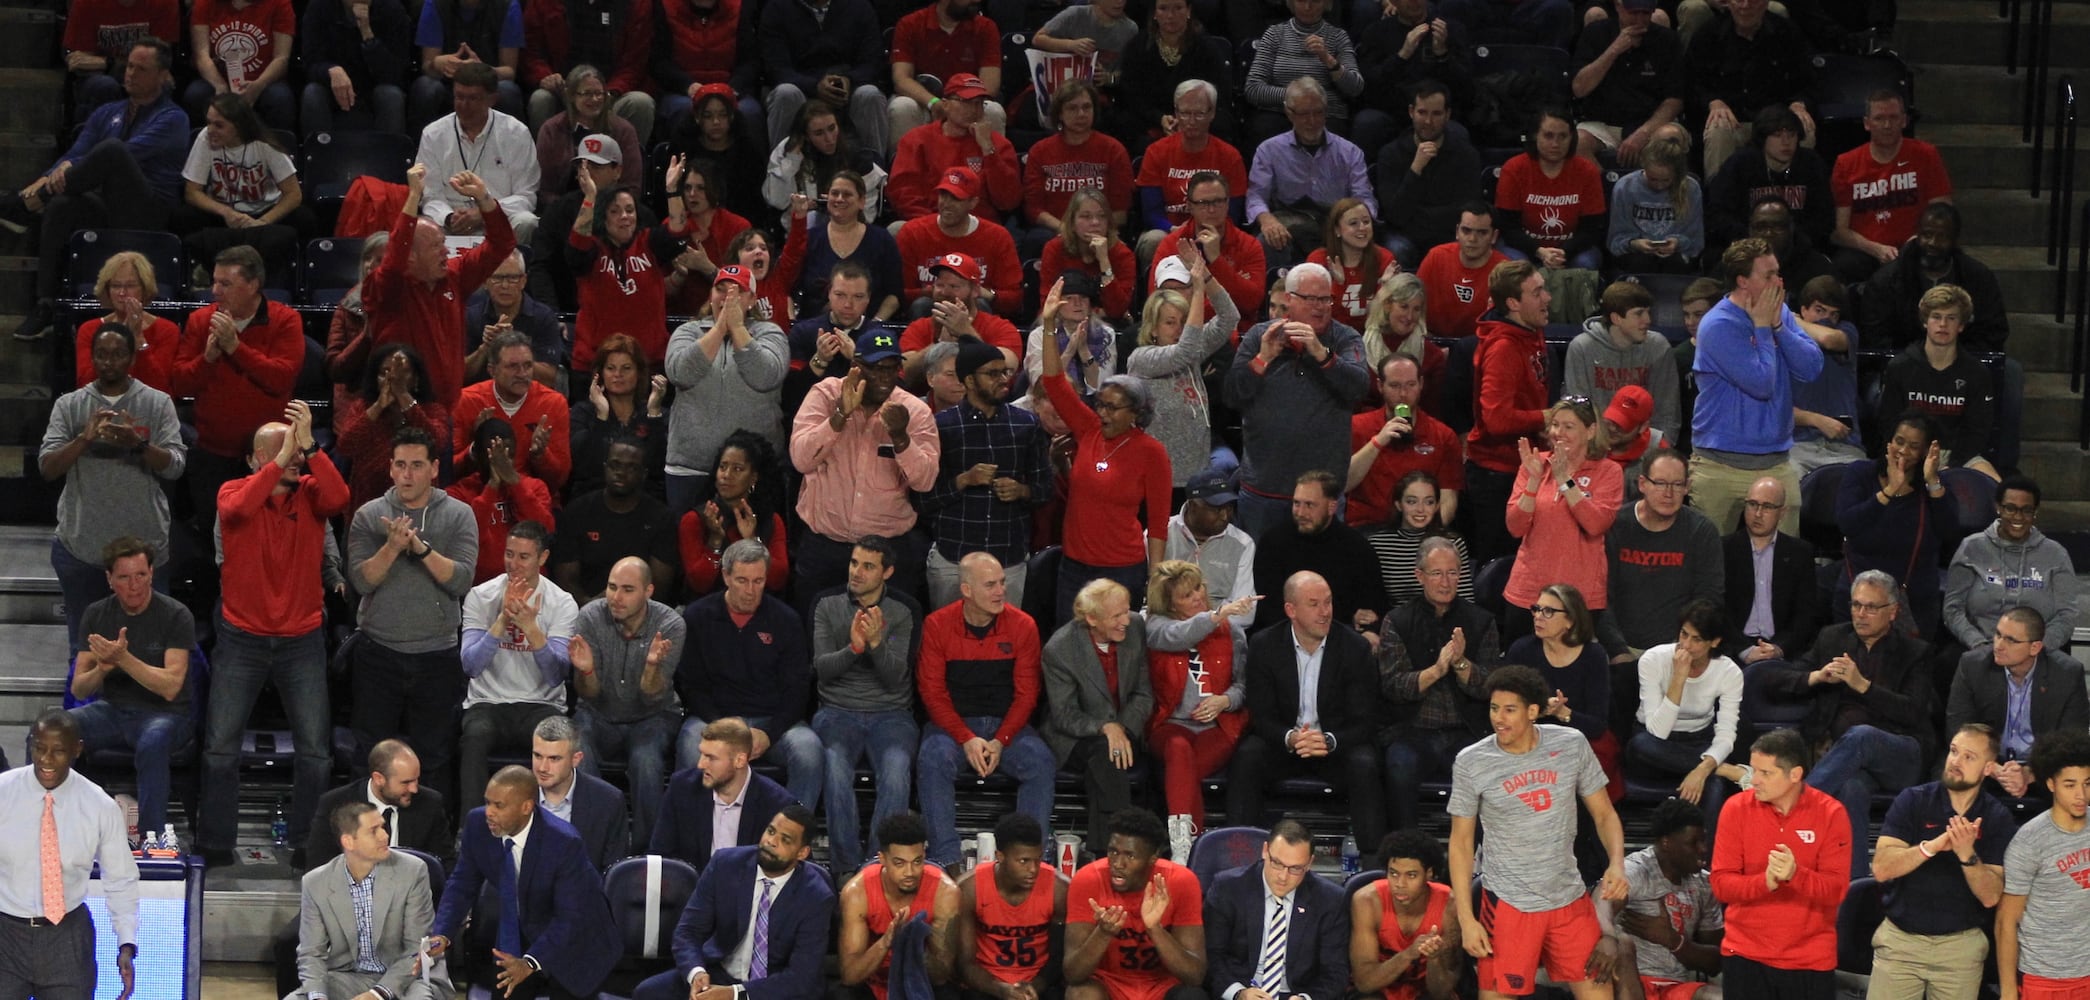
point(1748, 74)
point(423, 825)
point(1796, 606)
point(1890, 320)
point(330, 38)
point(1425, 207)
point(1898, 700)
point(1350, 707)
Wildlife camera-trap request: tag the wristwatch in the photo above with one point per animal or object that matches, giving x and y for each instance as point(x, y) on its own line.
point(1970, 862)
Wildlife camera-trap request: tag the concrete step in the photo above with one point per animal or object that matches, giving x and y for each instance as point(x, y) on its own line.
point(2051, 409)
point(2063, 472)
point(2064, 515)
point(2022, 270)
point(28, 36)
point(1960, 93)
point(32, 101)
point(2038, 342)
point(1995, 155)
point(25, 156)
point(17, 283)
point(1962, 31)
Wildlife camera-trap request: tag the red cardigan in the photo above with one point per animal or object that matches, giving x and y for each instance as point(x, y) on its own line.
point(245, 389)
point(700, 564)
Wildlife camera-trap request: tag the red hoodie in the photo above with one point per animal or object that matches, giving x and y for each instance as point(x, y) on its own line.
point(1509, 393)
point(1794, 926)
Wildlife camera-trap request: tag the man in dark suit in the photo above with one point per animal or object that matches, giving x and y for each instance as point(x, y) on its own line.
point(414, 816)
point(592, 806)
point(2047, 687)
point(1784, 621)
point(721, 780)
point(1092, 724)
point(551, 910)
point(1329, 737)
point(765, 897)
point(1274, 929)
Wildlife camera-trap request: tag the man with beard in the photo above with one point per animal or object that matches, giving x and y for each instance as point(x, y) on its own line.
point(1931, 258)
point(993, 474)
point(1008, 926)
point(1427, 175)
point(1315, 540)
point(1940, 858)
point(718, 803)
point(877, 903)
point(624, 651)
point(1136, 926)
point(618, 522)
point(414, 815)
point(864, 638)
point(757, 923)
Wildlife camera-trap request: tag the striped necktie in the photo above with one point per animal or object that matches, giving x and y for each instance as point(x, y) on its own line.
point(1269, 972)
point(758, 956)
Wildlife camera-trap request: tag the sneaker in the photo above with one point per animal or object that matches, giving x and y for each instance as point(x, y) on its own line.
point(15, 216)
point(39, 323)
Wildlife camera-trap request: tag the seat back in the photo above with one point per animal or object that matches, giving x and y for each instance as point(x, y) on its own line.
point(331, 267)
point(1223, 848)
point(647, 894)
point(1041, 574)
point(88, 249)
point(1856, 919)
point(1975, 496)
point(333, 161)
point(436, 875)
point(1361, 879)
point(1818, 509)
point(1544, 62)
point(1841, 85)
point(1488, 584)
point(1668, 292)
point(1759, 709)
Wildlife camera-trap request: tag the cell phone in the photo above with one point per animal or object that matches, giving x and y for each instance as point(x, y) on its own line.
point(1402, 411)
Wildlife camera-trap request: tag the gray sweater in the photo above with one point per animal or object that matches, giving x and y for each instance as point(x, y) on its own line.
point(1295, 416)
point(1990, 576)
point(109, 495)
point(877, 680)
point(1598, 368)
point(410, 611)
point(714, 397)
point(1281, 56)
point(1653, 574)
point(1176, 383)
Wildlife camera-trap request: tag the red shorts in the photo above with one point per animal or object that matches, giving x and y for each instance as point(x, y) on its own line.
point(2042, 988)
point(1563, 938)
point(1664, 989)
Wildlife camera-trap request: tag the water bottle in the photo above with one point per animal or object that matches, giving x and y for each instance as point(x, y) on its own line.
point(1350, 859)
point(168, 842)
point(279, 828)
point(150, 844)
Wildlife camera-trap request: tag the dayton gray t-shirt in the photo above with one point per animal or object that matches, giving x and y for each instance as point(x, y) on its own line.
point(1689, 907)
point(2051, 868)
point(1526, 805)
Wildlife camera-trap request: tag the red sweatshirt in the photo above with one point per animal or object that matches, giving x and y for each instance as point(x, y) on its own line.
point(1053, 171)
point(922, 241)
point(1240, 267)
point(705, 46)
point(1110, 478)
point(925, 152)
point(430, 318)
point(1793, 927)
point(1509, 394)
point(991, 328)
point(495, 509)
point(700, 564)
point(243, 390)
point(547, 44)
point(154, 363)
point(541, 406)
point(1117, 295)
point(277, 592)
point(960, 674)
point(622, 290)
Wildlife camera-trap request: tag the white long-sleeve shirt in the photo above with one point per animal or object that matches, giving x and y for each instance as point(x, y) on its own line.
point(504, 156)
point(1713, 698)
point(90, 829)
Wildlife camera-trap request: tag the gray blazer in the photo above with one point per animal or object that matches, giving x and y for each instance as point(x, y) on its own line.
point(403, 914)
point(1076, 702)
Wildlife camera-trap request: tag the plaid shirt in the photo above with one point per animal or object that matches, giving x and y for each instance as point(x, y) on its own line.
point(361, 894)
point(974, 520)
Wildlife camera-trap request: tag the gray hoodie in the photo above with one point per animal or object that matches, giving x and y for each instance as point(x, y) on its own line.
point(410, 611)
point(741, 388)
point(1990, 576)
point(1598, 368)
point(110, 494)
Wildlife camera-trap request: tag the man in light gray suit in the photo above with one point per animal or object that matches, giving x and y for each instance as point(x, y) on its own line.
point(1091, 723)
point(348, 951)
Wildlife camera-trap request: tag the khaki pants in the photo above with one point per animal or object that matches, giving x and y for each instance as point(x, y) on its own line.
point(1718, 490)
point(1924, 967)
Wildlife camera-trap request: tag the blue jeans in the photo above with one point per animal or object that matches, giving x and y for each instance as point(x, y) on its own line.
point(151, 737)
point(1864, 762)
point(81, 583)
point(643, 747)
point(805, 767)
point(244, 662)
point(1674, 757)
point(1026, 758)
point(887, 740)
point(1413, 756)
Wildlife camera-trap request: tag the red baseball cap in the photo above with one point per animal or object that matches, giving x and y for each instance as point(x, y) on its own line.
point(964, 87)
point(735, 274)
point(960, 183)
point(960, 264)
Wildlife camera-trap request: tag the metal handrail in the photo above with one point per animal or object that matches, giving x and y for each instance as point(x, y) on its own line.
point(2061, 204)
point(2082, 320)
point(2039, 64)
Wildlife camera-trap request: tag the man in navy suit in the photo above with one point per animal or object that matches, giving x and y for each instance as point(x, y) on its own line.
point(721, 790)
point(1275, 930)
point(592, 806)
point(548, 936)
point(756, 924)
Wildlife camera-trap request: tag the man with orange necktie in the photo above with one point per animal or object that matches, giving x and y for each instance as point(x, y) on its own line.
point(54, 826)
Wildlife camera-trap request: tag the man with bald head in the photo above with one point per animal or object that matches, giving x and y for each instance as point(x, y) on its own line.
point(979, 672)
point(417, 293)
point(551, 909)
point(624, 651)
point(1770, 592)
point(1313, 702)
point(414, 816)
point(272, 529)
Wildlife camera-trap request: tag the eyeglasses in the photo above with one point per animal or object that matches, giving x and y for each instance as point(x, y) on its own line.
point(1295, 871)
point(1868, 608)
point(504, 279)
point(2010, 640)
point(1544, 613)
point(1318, 300)
point(585, 95)
point(1665, 485)
point(995, 374)
point(1760, 507)
point(2005, 509)
point(1108, 407)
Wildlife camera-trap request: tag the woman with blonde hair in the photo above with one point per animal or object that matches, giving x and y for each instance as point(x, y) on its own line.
point(123, 286)
point(1088, 241)
point(1175, 340)
point(1565, 502)
point(1395, 325)
point(1355, 261)
point(1658, 213)
point(1195, 657)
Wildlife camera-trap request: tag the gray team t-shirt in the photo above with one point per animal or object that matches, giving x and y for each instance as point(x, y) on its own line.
point(1526, 805)
point(1689, 907)
point(2051, 868)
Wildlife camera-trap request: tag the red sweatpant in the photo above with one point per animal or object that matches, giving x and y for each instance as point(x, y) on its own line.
point(1186, 758)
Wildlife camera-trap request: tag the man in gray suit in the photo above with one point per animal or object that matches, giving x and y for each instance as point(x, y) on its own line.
point(347, 950)
point(1090, 722)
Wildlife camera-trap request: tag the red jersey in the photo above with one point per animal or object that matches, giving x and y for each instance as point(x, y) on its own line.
point(1887, 199)
point(878, 912)
point(922, 242)
point(919, 40)
point(1054, 170)
point(107, 28)
point(1793, 927)
point(1393, 940)
point(1168, 166)
point(623, 290)
point(1550, 208)
point(1011, 939)
point(1456, 296)
point(1130, 968)
point(925, 153)
point(1433, 448)
point(243, 40)
point(541, 405)
point(1356, 286)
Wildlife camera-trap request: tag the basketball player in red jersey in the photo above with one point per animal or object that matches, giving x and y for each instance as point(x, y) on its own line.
point(1012, 912)
point(1404, 935)
point(1135, 921)
point(896, 887)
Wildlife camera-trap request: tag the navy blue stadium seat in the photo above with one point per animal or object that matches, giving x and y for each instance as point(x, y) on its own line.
point(646, 894)
point(1762, 712)
point(1224, 848)
point(1841, 85)
point(1975, 495)
point(331, 267)
point(333, 161)
point(1856, 919)
point(1818, 509)
point(89, 249)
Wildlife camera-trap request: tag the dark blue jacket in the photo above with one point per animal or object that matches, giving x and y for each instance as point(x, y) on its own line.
point(160, 142)
point(798, 49)
point(600, 819)
point(560, 895)
point(763, 671)
point(1317, 946)
point(683, 829)
point(715, 921)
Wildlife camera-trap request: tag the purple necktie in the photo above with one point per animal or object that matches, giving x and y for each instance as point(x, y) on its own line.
point(758, 960)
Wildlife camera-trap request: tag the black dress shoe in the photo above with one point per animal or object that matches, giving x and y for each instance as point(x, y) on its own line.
point(38, 324)
point(219, 859)
point(15, 216)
